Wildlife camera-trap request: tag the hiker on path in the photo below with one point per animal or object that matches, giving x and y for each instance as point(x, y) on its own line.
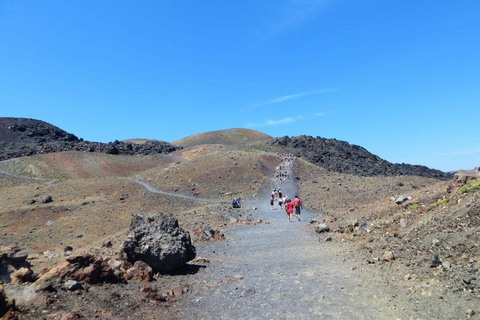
point(272, 199)
point(280, 198)
point(297, 203)
point(289, 209)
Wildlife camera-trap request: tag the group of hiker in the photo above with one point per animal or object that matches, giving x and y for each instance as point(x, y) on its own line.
point(287, 204)
point(281, 171)
point(284, 202)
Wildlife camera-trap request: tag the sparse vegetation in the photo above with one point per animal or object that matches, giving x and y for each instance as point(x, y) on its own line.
point(470, 185)
point(413, 206)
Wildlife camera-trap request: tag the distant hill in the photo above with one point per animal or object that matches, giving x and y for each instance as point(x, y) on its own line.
point(20, 137)
point(340, 156)
point(233, 137)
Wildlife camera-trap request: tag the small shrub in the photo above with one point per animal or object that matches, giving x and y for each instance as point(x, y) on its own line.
point(443, 200)
point(413, 206)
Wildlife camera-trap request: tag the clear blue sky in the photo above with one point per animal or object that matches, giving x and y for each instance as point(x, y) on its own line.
point(400, 78)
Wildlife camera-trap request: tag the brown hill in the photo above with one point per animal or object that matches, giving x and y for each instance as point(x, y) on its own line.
point(233, 137)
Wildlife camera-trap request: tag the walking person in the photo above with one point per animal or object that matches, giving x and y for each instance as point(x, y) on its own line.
point(280, 198)
point(297, 203)
point(289, 210)
point(272, 199)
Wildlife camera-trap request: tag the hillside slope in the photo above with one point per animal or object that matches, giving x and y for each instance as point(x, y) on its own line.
point(234, 137)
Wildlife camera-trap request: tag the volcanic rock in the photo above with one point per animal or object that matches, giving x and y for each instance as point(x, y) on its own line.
point(139, 272)
point(23, 275)
point(321, 227)
point(20, 137)
point(158, 240)
point(85, 268)
point(341, 156)
point(388, 256)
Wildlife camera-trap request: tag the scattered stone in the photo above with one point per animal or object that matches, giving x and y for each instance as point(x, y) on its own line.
point(177, 291)
point(140, 272)
point(68, 250)
point(446, 265)
point(199, 260)
point(158, 241)
point(16, 256)
point(470, 313)
point(468, 280)
point(321, 228)
point(210, 234)
point(72, 315)
point(401, 199)
point(23, 275)
point(72, 285)
point(388, 256)
point(47, 199)
point(435, 262)
point(51, 255)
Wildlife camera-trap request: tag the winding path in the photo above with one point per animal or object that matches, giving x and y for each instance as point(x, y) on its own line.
point(279, 270)
point(153, 190)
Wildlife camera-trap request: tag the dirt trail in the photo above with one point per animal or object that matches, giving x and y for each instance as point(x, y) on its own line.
point(279, 270)
point(153, 190)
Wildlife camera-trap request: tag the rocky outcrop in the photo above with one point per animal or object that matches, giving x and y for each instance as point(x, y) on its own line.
point(158, 241)
point(21, 137)
point(13, 266)
point(461, 177)
point(85, 268)
point(340, 156)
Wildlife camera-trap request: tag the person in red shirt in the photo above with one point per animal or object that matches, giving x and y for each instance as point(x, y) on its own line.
point(297, 203)
point(289, 209)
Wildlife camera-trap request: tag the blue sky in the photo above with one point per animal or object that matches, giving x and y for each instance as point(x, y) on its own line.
point(399, 78)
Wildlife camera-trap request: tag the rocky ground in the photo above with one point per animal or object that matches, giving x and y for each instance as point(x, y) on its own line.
point(402, 247)
point(417, 265)
point(424, 249)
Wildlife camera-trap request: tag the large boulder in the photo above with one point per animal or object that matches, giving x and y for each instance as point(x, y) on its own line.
point(158, 241)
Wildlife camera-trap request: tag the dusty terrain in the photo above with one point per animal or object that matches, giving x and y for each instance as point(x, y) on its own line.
point(94, 200)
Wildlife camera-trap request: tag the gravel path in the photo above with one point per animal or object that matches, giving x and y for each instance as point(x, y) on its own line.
point(153, 190)
point(279, 270)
